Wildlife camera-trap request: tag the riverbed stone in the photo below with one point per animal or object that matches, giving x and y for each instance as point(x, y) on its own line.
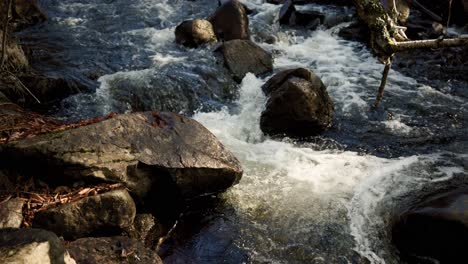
point(244, 56)
point(136, 149)
point(193, 33)
point(112, 250)
point(108, 212)
point(32, 246)
point(11, 213)
point(298, 104)
point(436, 228)
point(230, 21)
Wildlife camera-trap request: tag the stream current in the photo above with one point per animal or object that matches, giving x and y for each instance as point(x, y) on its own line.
point(329, 199)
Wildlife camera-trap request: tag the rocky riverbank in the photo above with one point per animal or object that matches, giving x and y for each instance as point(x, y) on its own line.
point(112, 189)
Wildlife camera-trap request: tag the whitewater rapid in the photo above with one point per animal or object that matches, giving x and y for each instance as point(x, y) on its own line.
point(328, 200)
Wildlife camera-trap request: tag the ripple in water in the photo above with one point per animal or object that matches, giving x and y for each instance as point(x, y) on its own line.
point(327, 201)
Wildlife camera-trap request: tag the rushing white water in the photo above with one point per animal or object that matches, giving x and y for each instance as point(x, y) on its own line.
point(326, 201)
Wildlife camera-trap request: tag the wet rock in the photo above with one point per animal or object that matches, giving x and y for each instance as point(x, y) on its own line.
point(230, 21)
point(146, 228)
point(355, 31)
point(32, 246)
point(308, 19)
point(49, 89)
point(286, 13)
point(11, 213)
point(194, 33)
point(244, 56)
point(108, 212)
point(135, 149)
point(298, 104)
point(111, 250)
point(436, 229)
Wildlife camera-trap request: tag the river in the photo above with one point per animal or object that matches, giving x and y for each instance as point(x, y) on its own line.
point(329, 199)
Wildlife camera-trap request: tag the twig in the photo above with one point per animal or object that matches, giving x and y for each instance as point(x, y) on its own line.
point(383, 82)
point(23, 86)
point(449, 13)
point(5, 29)
point(163, 239)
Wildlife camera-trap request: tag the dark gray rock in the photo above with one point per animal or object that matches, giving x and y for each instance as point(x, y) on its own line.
point(230, 21)
point(112, 250)
point(109, 212)
point(310, 19)
point(11, 213)
point(193, 33)
point(135, 149)
point(298, 105)
point(146, 228)
point(244, 56)
point(436, 228)
point(32, 246)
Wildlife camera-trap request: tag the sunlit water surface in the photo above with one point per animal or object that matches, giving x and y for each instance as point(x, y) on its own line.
point(328, 200)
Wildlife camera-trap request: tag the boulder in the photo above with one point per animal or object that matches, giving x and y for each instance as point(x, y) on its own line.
point(112, 250)
point(32, 246)
point(230, 21)
point(11, 213)
point(48, 89)
point(108, 212)
point(193, 33)
point(136, 149)
point(298, 104)
point(309, 19)
point(436, 228)
point(244, 56)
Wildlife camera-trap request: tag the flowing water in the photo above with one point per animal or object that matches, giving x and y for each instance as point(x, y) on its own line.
point(330, 199)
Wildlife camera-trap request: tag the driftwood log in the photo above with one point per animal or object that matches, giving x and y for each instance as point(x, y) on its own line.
point(387, 37)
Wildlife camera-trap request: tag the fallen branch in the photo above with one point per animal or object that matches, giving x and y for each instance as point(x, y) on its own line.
point(383, 82)
point(430, 44)
point(388, 38)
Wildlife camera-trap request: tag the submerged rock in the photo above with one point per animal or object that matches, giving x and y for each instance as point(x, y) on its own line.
point(298, 104)
point(434, 229)
point(194, 33)
point(107, 212)
point(32, 246)
point(136, 149)
point(244, 56)
point(230, 21)
point(11, 213)
point(110, 250)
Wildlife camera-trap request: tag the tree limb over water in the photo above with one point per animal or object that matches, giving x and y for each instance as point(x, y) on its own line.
point(387, 37)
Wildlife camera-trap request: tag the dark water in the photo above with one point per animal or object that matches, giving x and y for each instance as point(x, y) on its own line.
point(328, 200)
